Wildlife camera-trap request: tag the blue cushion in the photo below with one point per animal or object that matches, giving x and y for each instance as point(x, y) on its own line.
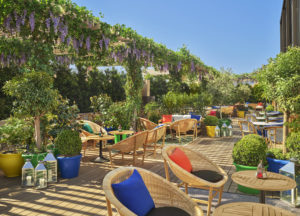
point(160, 125)
point(134, 194)
point(87, 128)
point(196, 117)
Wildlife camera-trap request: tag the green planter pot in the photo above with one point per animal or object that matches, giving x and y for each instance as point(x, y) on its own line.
point(241, 188)
point(34, 158)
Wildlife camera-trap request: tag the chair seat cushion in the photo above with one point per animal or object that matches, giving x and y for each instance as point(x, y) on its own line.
point(134, 194)
point(180, 158)
point(208, 175)
point(87, 128)
point(167, 211)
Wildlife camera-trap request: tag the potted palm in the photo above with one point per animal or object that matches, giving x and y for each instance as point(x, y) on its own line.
point(13, 137)
point(247, 154)
point(210, 124)
point(69, 146)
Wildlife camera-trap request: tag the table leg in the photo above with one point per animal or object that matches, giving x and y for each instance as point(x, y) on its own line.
point(100, 159)
point(262, 196)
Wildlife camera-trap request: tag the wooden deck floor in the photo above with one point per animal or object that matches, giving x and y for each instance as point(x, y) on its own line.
point(84, 195)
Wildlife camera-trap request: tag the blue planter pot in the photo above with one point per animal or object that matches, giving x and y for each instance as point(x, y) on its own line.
point(275, 164)
point(69, 166)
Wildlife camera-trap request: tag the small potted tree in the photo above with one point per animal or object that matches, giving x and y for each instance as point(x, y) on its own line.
point(247, 154)
point(69, 146)
point(210, 124)
point(13, 136)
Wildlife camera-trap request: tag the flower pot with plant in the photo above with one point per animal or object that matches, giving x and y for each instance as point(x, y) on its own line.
point(247, 154)
point(210, 124)
point(241, 109)
point(276, 159)
point(13, 137)
point(69, 146)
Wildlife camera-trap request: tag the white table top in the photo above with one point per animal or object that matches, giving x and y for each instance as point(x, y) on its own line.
point(268, 123)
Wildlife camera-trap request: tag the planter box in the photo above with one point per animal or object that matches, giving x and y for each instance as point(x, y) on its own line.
point(69, 166)
point(275, 164)
point(210, 131)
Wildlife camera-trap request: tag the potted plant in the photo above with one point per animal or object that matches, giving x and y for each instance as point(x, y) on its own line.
point(247, 154)
point(210, 124)
point(276, 159)
point(69, 146)
point(13, 136)
point(241, 111)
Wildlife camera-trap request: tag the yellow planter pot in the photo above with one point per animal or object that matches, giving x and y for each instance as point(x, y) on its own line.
point(11, 164)
point(241, 114)
point(210, 131)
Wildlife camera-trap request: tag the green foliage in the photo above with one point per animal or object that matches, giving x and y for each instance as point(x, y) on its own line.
point(158, 86)
point(250, 150)
point(277, 154)
point(16, 133)
point(100, 103)
point(211, 121)
point(33, 92)
point(68, 143)
point(257, 94)
point(269, 108)
point(152, 111)
point(242, 93)
point(294, 126)
point(293, 145)
point(119, 113)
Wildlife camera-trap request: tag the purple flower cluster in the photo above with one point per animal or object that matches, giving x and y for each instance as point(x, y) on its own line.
point(166, 67)
point(81, 41)
point(7, 22)
point(179, 66)
point(63, 60)
point(32, 21)
point(18, 21)
point(48, 23)
point(23, 17)
point(88, 43)
point(69, 40)
point(63, 31)
point(6, 61)
point(106, 42)
point(100, 44)
point(75, 44)
point(192, 66)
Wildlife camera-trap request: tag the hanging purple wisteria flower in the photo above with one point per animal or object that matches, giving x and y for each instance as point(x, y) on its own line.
point(32, 21)
point(7, 22)
point(88, 43)
point(100, 44)
point(55, 21)
point(106, 41)
point(68, 41)
point(179, 66)
point(192, 66)
point(81, 41)
point(24, 17)
point(18, 21)
point(75, 44)
point(48, 23)
point(64, 31)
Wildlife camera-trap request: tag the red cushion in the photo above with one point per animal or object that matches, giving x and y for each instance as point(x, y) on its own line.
point(180, 158)
point(213, 113)
point(166, 118)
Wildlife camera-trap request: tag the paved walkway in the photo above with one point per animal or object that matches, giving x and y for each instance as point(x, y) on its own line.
point(84, 195)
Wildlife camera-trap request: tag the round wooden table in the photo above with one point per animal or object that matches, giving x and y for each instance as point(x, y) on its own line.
point(122, 132)
point(250, 209)
point(273, 182)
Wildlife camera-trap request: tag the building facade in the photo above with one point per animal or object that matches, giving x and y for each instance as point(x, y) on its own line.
point(290, 24)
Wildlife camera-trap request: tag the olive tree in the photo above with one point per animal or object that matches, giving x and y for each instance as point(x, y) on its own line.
point(34, 96)
point(281, 82)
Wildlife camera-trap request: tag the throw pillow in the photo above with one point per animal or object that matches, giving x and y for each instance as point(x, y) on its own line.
point(87, 128)
point(180, 158)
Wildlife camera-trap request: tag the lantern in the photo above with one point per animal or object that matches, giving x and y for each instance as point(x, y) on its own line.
point(40, 178)
point(51, 165)
point(224, 130)
point(28, 174)
point(230, 130)
point(292, 170)
point(217, 131)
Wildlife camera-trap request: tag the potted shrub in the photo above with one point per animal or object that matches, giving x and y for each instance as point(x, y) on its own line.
point(247, 154)
point(210, 124)
point(13, 136)
point(69, 146)
point(241, 111)
point(276, 159)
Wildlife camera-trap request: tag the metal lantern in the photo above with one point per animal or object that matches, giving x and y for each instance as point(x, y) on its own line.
point(229, 130)
point(217, 131)
point(28, 174)
point(51, 165)
point(40, 176)
point(224, 129)
point(292, 170)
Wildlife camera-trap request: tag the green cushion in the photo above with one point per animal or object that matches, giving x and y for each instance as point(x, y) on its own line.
point(87, 128)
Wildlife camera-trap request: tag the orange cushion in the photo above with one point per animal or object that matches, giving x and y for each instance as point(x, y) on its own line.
point(180, 158)
point(166, 118)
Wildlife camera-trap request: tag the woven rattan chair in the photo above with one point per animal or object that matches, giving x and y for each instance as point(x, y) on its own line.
point(162, 192)
point(199, 162)
point(129, 145)
point(147, 124)
point(275, 136)
point(153, 137)
point(181, 127)
point(247, 127)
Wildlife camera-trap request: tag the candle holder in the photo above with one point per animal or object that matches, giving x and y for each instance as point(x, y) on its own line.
point(28, 174)
point(40, 178)
point(51, 165)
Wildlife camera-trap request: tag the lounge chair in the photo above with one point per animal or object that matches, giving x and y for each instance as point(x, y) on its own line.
point(181, 127)
point(147, 124)
point(153, 137)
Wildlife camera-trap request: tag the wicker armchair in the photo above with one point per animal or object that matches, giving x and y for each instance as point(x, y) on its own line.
point(153, 137)
point(146, 124)
point(162, 192)
point(199, 162)
point(129, 145)
point(275, 136)
point(183, 126)
point(247, 127)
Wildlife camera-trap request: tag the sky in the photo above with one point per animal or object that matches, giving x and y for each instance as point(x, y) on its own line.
point(237, 34)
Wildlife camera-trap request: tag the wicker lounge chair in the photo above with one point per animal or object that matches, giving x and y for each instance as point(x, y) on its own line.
point(153, 137)
point(162, 192)
point(275, 136)
point(129, 145)
point(181, 127)
point(147, 124)
point(247, 127)
point(199, 162)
